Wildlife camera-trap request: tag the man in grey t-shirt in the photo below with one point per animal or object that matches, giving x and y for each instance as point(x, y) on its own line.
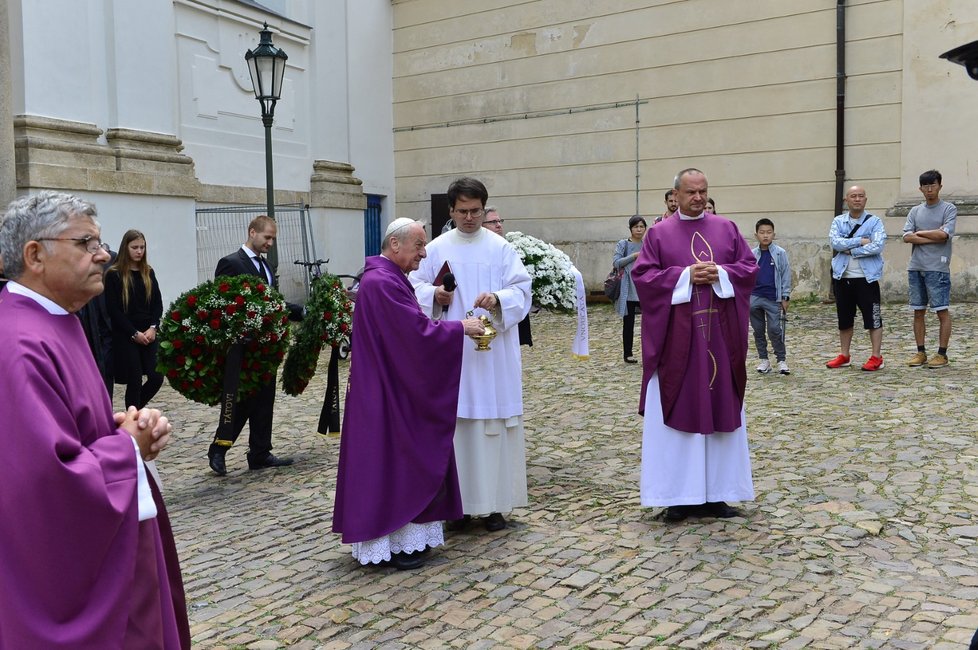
point(929, 228)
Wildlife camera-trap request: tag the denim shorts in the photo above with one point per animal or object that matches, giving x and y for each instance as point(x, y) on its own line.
point(929, 289)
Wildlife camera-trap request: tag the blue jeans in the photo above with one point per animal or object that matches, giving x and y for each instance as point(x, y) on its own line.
point(929, 288)
point(766, 313)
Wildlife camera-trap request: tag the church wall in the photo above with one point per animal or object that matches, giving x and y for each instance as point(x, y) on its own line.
point(153, 122)
point(538, 100)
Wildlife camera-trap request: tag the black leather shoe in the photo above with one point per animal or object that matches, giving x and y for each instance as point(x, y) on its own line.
point(494, 522)
point(408, 561)
point(720, 510)
point(458, 525)
point(675, 514)
point(269, 461)
point(215, 458)
point(631, 360)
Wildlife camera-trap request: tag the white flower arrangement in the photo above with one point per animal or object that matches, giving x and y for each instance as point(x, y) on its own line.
point(554, 286)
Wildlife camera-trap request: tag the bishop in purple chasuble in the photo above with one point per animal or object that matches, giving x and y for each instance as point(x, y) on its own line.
point(78, 570)
point(699, 347)
point(397, 458)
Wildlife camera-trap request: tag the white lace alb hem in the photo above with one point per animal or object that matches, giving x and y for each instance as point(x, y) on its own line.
point(409, 539)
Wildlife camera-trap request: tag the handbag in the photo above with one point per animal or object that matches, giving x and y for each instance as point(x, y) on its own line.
point(612, 284)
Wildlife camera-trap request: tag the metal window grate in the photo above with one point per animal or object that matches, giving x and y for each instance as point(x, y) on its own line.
point(221, 230)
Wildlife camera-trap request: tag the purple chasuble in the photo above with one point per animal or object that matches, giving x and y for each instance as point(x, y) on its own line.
point(77, 568)
point(397, 458)
point(699, 348)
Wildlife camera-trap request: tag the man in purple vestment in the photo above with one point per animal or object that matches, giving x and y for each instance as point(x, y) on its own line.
point(694, 278)
point(87, 559)
point(397, 481)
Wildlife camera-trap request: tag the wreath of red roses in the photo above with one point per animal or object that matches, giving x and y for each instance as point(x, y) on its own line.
point(200, 326)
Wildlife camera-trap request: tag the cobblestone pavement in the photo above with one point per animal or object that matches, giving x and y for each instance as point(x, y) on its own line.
point(863, 534)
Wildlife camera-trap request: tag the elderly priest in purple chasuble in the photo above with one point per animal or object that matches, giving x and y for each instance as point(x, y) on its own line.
point(694, 277)
point(87, 559)
point(397, 480)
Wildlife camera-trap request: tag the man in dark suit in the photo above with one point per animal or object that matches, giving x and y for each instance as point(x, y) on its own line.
point(256, 409)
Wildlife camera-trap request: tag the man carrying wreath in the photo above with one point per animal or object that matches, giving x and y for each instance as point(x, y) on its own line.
point(258, 408)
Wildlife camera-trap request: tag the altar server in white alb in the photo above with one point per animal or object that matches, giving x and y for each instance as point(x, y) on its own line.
point(490, 449)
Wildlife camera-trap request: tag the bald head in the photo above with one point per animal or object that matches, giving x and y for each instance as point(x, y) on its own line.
point(856, 201)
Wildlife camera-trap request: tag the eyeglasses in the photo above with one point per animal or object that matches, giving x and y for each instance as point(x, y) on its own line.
point(493, 222)
point(91, 243)
point(474, 212)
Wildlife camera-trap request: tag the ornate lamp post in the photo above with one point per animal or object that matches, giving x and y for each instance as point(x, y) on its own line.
point(266, 63)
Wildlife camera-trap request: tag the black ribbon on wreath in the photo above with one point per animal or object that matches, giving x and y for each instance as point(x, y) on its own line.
point(232, 378)
point(329, 418)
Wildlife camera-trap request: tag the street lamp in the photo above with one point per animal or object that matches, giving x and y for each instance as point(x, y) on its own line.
point(266, 63)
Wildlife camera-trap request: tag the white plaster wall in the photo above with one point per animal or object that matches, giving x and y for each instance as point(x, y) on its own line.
point(339, 238)
point(371, 97)
point(141, 78)
point(171, 236)
point(219, 118)
point(60, 59)
point(330, 108)
point(940, 101)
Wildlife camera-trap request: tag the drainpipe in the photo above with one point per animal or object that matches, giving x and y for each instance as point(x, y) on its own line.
point(840, 103)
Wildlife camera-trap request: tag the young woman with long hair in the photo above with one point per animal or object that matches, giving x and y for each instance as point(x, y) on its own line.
point(135, 304)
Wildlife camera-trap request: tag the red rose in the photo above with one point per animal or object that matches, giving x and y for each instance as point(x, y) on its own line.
point(239, 300)
point(177, 344)
point(215, 324)
point(202, 314)
point(266, 377)
point(280, 354)
point(265, 349)
point(215, 313)
point(251, 313)
point(230, 310)
point(266, 319)
point(199, 366)
point(224, 287)
point(198, 382)
point(180, 359)
point(260, 287)
point(328, 316)
point(343, 328)
point(191, 300)
point(195, 352)
point(199, 339)
point(273, 337)
point(324, 337)
point(172, 373)
point(175, 315)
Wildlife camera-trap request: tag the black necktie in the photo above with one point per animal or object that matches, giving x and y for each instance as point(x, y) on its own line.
point(263, 267)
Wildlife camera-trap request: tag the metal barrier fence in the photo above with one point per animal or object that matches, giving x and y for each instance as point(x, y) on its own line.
point(222, 230)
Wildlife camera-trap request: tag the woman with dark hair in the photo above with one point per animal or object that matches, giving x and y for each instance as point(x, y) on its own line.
point(626, 252)
point(135, 304)
point(711, 206)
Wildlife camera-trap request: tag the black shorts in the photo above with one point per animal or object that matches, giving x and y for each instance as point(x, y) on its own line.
point(857, 292)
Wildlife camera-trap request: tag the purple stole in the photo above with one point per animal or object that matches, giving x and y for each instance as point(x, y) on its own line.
point(698, 348)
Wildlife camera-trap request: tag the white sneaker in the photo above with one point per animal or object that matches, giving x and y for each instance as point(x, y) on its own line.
point(764, 367)
point(783, 368)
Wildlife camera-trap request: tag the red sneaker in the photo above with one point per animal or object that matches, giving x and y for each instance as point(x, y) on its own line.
point(873, 364)
point(840, 361)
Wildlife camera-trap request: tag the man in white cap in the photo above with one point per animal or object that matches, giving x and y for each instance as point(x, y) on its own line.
point(396, 480)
